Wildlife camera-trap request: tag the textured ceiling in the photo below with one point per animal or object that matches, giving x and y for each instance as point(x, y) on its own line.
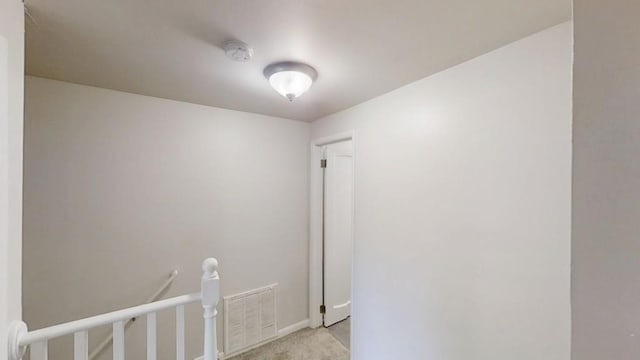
point(361, 48)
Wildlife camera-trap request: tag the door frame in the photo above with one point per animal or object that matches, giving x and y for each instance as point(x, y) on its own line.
point(315, 225)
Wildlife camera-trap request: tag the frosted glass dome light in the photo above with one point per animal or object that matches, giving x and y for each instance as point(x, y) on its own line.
point(290, 79)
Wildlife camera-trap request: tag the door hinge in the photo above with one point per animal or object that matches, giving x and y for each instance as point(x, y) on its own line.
point(323, 163)
point(323, 309)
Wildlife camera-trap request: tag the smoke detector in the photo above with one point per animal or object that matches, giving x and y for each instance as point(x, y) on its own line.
point(238, 51)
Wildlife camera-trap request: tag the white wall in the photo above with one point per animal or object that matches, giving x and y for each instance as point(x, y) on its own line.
point(121, 188)
point(11, 108)
point(462, 226)
point(606, 181)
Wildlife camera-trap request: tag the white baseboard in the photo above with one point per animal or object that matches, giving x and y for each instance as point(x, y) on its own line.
point(293, 328)
point(281, 333)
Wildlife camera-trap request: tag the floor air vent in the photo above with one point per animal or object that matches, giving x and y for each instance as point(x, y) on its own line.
point(249, 319)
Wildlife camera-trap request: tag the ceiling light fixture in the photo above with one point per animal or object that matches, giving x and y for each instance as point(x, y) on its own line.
point(290, 79)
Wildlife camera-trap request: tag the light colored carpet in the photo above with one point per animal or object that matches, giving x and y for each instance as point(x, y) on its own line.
point(307, 344)
point(342, 332)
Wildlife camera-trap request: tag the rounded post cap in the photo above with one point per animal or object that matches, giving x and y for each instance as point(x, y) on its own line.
point(210, 266)
point(17, 329)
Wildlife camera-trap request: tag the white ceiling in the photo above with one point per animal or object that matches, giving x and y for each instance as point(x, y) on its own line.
point(361, 48)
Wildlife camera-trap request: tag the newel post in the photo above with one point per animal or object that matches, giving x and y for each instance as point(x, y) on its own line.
point(210, 287)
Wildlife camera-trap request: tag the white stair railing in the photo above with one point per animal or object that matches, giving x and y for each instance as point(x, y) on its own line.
point(156, 295)
point(20, 337)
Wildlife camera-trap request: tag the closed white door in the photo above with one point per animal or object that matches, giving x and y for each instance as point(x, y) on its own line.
point(338, 231)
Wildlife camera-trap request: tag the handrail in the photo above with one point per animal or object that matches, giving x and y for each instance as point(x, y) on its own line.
point(105, 319)
point(19, 337)
point(100, 348)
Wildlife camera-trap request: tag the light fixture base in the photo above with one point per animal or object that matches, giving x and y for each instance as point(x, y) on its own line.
point(290, 66)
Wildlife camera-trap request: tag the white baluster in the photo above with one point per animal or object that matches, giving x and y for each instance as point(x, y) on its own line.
point(180, 332)
point(151, 336)
point(81, 345)
point(210, 287)
point(118, 340)
point(39, 351)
